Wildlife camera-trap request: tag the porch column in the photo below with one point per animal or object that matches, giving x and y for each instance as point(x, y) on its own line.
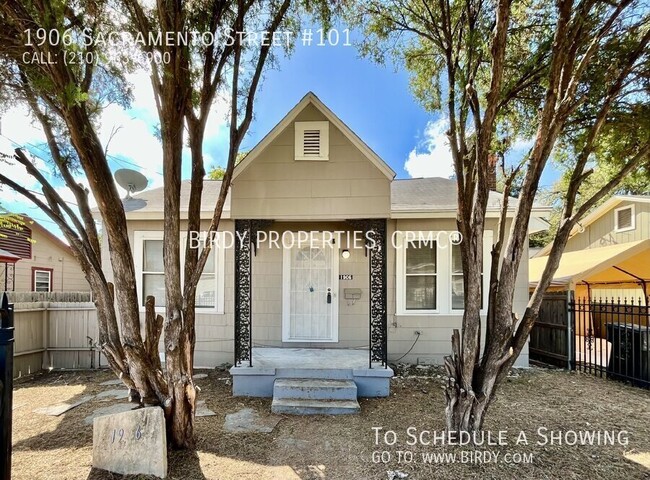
point(243, 293)
point(246, 232)
point(375, 234)
point(378, 308)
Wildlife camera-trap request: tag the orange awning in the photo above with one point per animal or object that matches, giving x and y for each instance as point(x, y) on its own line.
point(596, 265)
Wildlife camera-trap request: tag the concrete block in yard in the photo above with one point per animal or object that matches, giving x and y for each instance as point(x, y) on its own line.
point(131, 443)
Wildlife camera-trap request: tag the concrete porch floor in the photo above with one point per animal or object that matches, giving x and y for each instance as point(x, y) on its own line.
point(271, 363)
point(340, 358)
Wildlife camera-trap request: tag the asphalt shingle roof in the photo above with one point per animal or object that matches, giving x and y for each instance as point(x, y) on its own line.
point(414, 194)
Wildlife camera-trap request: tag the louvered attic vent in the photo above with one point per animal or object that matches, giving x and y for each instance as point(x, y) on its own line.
point(624, 218)
point(312, 140)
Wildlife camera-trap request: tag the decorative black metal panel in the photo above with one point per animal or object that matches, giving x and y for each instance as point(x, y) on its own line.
point(245, 247)
point(375, 234)
point(243, 292)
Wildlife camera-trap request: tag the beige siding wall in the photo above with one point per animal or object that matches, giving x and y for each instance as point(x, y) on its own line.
point(214, 332)
point(275, 186)
point(66, 276)
point(601, 233)
point(268, 286)
point(436, 329)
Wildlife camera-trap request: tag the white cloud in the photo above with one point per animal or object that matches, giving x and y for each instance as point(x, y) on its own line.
point(432, 156)
point(522, 145)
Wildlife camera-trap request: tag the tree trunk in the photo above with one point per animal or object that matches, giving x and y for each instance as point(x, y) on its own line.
point(465, 409)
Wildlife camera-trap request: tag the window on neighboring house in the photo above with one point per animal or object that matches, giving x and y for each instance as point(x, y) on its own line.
point(421, 276)
point(457, 285)
point(42, 280)
point(624, 219)
point(312, 140)
point(151, 272)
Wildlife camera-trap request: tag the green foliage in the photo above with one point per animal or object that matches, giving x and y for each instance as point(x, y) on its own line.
point(217, 172)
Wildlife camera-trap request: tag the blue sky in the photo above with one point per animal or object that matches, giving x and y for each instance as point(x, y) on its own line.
point(373, 100)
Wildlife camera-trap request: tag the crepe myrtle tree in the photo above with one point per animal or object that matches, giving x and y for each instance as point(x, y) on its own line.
point(570, 75)
point(67, 98)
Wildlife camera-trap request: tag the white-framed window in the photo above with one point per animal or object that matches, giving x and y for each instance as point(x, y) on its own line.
point(312, 140)
point(624, 219)
point(430, 276)
point(457, 281)
point(150, 275)
point(42, 280)
point(420, 276)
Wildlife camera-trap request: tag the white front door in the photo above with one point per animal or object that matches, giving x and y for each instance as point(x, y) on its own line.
point(310, 293)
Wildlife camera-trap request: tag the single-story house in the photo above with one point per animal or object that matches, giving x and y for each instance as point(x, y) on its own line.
point(348, 302)
point(604, 277)
point(607, 254)
point(33, 259)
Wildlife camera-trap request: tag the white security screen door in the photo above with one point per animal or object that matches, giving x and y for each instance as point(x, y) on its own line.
point(310, 299)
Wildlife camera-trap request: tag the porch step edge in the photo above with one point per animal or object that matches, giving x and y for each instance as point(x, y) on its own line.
point(299, 406)
point(314, 389)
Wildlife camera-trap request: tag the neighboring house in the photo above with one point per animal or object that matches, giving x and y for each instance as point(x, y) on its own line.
point(607, 254)
point(41, 261)
point(337, 305)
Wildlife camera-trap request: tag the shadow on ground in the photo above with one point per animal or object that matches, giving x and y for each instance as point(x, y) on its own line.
point(317, 447)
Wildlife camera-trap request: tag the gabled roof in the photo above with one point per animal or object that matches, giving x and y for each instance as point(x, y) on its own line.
point(311, 99)
point(596, 214)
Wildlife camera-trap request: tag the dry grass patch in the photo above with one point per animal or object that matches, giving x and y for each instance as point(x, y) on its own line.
point(342, 447)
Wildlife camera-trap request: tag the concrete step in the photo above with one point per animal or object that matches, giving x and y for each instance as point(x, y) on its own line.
point(314, 389)
point(324, 373)
point(300, 406)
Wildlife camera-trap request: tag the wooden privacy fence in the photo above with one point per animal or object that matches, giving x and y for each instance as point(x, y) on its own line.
point(55, 335)
point(549, 338)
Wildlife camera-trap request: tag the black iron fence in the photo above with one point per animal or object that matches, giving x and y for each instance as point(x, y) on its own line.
point(612, 338)
point(6, 384)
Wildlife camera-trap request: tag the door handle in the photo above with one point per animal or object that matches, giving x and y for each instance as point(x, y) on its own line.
point(329, 295)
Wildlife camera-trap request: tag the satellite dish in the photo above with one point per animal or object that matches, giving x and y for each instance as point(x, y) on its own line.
point(130, 180)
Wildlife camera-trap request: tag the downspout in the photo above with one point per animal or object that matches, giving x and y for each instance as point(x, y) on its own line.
point(641, 281)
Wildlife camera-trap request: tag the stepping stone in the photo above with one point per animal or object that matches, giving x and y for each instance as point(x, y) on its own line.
point(199, 376)
point(116, 394)
point(117, 381)
point(110, 410)
point(61, 408)
point(202, 410)
point(248, 420)
point(294, 443)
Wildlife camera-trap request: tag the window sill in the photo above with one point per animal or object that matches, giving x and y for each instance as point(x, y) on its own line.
point(438, 313)
point(623, 230)
point(418, 313)
point(208, 311)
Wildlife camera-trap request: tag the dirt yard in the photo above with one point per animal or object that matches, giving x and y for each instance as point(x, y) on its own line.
point(343, 447)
